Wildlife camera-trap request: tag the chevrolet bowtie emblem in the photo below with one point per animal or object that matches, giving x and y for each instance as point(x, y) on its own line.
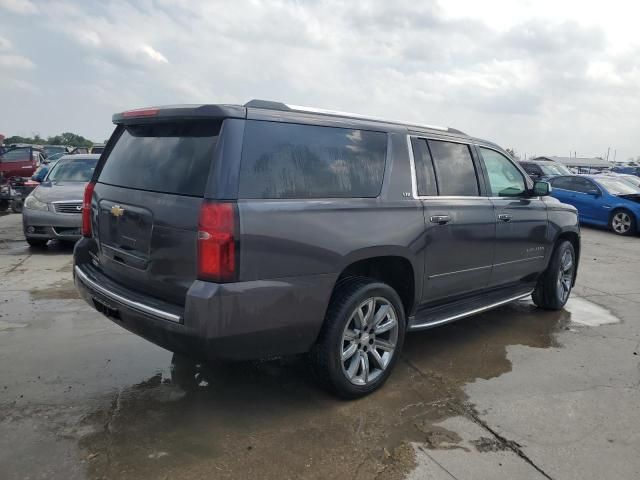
point(117, 211)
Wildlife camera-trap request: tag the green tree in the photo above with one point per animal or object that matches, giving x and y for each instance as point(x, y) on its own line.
point(67, 138)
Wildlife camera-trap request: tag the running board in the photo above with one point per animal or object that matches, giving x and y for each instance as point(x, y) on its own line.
point(435, 316)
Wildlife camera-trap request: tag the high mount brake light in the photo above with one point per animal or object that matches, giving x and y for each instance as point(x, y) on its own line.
point(141, 112)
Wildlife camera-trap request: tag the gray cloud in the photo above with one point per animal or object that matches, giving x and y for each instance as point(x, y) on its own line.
point(543, 86)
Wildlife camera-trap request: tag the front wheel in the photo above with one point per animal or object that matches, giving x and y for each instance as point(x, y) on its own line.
point(622, 222)
point(554, 285)
point(37, 242)
point(361, 339)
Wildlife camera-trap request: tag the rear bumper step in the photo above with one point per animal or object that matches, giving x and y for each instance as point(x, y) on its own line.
point(116, 297)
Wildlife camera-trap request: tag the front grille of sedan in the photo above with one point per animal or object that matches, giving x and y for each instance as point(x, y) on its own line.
point(68, 207)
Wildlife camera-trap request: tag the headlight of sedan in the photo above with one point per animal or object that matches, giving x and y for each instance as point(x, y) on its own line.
point(32, 203)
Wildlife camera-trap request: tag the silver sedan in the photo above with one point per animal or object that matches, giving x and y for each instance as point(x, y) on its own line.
point(54, 208)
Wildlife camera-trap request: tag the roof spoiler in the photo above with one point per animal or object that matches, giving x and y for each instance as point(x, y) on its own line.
point(178, 112)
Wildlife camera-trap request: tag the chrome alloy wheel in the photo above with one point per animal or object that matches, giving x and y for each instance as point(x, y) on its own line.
point(369, 340)
point(621, 222)
point(565, 276)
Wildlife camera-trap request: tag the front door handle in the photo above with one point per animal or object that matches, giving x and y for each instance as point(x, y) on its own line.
point(505, 217)
point(440, 219)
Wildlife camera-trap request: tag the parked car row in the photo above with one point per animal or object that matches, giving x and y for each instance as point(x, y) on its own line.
point(608, 199)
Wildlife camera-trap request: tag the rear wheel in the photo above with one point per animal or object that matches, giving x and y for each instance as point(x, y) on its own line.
point(361, 339)
point(37, 242)
point(622, 222)
point(554, 285)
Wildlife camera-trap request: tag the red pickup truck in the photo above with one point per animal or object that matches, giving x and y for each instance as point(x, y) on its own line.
point(20, 162)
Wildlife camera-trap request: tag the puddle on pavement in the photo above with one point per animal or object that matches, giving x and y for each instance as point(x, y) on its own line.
point(586, 313)
point(64, 290)
point(234, 420)
point(270, 420)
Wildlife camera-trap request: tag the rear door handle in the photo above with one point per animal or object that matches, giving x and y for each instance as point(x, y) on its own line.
point(440, 219)
point(505, 217)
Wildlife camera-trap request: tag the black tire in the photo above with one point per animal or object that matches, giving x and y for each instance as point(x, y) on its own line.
point(16, 206)
point(37, 242)
point(326, 355)
point(4, 205)
point(622, 222)
point(552, 292)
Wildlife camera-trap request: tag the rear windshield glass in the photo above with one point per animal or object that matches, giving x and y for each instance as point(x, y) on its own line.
point(77, 170)
point(17, 155)
point(285, 160)
point(165, 157)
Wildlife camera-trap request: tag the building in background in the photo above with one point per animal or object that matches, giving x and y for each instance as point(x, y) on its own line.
point(580, 164)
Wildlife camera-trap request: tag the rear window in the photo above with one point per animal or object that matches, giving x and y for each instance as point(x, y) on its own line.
point(284, 160)
point(165, 157)
point(17, 155)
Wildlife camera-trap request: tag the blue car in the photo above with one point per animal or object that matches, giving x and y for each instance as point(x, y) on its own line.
point(600, 200)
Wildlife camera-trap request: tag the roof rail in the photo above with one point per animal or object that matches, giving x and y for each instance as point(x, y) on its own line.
point(271, 105)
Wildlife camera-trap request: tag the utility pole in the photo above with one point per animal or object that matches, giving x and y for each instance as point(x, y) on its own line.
point(615, 152)
point(608, 148)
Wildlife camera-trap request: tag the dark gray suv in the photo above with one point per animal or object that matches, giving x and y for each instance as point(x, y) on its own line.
point(240, 232)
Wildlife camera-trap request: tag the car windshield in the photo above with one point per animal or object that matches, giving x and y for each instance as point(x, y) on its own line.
point(52, 150)
point(76, 170)
point(631, 179)
point(554, 169)
point(618, 187)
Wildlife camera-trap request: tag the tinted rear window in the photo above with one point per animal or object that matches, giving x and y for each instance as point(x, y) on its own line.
point(167, 157)
point(17, 155)
point(284, 160)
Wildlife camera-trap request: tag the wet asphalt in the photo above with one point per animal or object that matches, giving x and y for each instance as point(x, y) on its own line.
point(513, 393)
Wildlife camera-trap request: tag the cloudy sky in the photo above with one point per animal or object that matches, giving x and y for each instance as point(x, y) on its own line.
point(543, 76)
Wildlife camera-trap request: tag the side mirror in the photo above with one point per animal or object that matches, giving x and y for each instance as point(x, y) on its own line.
point(594, 192)
point(541, 189)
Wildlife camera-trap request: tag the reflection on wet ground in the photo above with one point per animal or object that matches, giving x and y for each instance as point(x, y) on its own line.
point(269, 419)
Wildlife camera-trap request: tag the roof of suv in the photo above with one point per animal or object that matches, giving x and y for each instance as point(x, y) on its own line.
point(201, 111)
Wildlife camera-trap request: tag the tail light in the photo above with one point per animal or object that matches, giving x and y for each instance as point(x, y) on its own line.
point(86, 209)
point(217, 242)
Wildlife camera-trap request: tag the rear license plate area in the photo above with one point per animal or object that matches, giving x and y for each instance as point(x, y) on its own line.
point(106, 309)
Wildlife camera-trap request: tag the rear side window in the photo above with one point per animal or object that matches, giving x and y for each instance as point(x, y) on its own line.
point(564, 183)
point(286, 160)
point(454, 169)
point(425, 176)
point(164, 157)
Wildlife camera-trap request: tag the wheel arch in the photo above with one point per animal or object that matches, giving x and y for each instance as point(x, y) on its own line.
point(394, 268)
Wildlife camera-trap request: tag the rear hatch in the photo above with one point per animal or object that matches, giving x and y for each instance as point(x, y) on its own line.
point(17, 162)
point(149, 192)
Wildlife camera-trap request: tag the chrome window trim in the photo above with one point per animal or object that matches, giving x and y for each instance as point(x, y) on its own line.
point(126, 301)
point(414, 181)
